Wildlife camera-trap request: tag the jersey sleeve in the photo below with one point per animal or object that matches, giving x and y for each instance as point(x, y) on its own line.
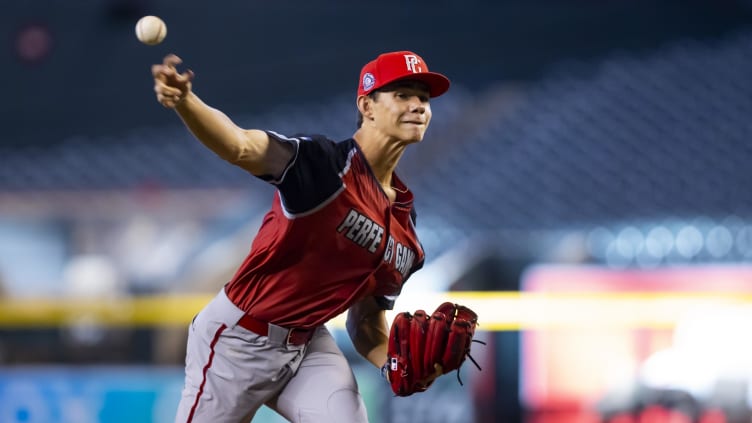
point(312, 175)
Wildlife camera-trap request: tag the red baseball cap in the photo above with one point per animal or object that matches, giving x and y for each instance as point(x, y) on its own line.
point(399, 65)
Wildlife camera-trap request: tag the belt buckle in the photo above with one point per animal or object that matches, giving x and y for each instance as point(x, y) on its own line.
point(289, 336)
point(304, 337)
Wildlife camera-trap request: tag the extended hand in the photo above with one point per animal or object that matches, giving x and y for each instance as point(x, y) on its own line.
point(170, 85)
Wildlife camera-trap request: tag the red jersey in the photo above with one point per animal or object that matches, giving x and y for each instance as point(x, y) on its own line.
point(331, 238)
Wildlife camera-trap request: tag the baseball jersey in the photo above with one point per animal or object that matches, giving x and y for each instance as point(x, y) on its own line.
point(331, 238)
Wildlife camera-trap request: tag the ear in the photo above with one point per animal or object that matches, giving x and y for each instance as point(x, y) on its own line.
point(365, 106)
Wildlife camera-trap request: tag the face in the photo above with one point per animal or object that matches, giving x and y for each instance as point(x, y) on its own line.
point(402, 112)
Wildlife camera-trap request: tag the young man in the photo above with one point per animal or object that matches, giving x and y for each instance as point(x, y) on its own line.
point(340, 236)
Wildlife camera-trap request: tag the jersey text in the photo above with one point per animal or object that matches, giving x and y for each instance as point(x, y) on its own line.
point(361, 230)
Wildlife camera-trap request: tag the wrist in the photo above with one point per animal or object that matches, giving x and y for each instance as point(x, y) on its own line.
point(183, 99)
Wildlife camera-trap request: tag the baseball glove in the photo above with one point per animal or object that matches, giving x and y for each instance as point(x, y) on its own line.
point(417, 342)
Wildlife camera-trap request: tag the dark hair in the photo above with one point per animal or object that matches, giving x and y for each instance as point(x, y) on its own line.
point(410, 83)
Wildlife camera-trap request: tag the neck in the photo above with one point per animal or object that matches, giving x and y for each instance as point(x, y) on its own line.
point(382, 153)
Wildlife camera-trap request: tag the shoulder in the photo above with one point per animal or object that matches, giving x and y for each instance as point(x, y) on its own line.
point(315, 172)
point(318, 141)
point(316, 146)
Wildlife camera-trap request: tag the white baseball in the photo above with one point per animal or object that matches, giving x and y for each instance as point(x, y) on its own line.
point(151, 30)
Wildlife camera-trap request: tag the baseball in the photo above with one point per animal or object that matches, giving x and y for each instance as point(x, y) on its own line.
point(151, 30)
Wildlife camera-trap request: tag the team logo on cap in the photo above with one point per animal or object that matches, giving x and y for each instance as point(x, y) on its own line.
point(368, 81)
point(412, 61)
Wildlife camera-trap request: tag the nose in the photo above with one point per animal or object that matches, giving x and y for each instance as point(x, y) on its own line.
point(416, 105)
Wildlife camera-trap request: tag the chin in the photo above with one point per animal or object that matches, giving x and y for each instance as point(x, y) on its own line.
point(413, 137)
point(412, 140)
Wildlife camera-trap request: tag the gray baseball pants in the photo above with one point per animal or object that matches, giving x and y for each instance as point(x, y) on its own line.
point(230, 372)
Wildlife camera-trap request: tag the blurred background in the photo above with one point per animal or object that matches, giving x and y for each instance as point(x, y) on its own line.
point(584, 185)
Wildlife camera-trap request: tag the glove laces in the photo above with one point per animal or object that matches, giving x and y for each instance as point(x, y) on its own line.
point(471, 359)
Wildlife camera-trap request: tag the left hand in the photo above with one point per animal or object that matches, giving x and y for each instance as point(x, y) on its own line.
point(438, 371)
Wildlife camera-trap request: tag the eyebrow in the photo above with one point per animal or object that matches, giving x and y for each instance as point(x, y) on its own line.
point(418, 85)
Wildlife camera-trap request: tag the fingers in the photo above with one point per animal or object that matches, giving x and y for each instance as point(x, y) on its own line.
point(163, 89)
point(168, 69)
point(170, 86)
point(170, 76)
point(171, 60)
point(169, 101)
point(167, 95)
point(188, 75)
point(438, 371)
point(158, 72)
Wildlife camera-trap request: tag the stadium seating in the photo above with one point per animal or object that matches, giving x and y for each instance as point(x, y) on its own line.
point(648, 141)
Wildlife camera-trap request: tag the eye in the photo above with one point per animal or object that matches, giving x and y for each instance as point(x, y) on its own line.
point(402, 96)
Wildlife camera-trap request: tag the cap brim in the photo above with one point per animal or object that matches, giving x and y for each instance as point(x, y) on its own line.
point(437, 83)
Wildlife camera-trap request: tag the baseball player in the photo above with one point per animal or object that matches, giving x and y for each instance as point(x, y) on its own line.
point(340, 235)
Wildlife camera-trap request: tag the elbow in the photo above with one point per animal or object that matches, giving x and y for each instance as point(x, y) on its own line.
point(233, 155)
point(234, 152)
point(241, 154)
point(249, 150)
